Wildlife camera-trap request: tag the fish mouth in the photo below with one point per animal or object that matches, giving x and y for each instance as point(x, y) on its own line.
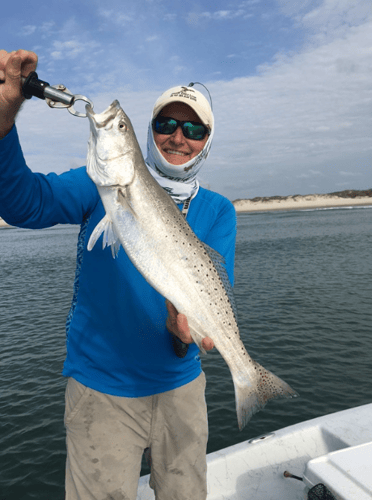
point(107, 160)
point(100, 120)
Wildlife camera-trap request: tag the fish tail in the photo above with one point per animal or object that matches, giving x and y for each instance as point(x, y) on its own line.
point(252, 393)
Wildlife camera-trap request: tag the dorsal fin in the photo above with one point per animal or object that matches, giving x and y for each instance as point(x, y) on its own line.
point(220, 263)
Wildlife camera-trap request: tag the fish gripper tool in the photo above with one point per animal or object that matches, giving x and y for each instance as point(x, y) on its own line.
point(56, 96)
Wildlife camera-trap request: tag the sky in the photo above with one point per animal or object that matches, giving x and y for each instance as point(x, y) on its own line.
point(290, 82)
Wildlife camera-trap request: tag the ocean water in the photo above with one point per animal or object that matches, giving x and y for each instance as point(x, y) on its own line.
point(303, 287)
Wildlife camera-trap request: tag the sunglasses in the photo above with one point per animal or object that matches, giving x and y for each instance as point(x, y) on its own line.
point(191, 130)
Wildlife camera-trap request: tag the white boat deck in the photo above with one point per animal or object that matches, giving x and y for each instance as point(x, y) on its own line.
point(253, 470)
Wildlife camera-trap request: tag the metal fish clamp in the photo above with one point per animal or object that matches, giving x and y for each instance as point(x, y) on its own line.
point(56, 96)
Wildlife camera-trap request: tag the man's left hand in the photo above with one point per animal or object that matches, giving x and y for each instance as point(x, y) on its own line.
point(178, 325)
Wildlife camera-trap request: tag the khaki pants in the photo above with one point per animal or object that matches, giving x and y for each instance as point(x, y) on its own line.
point(106, 437)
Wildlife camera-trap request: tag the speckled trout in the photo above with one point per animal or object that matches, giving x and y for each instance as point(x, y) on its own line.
point(145, 221)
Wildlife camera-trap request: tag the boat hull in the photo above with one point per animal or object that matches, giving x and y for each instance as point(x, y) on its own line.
point(254, 469)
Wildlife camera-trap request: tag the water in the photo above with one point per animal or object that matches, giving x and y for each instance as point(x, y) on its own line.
point(304, 297)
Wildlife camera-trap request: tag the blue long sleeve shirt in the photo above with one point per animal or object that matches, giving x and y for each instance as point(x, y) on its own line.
point(117, 342)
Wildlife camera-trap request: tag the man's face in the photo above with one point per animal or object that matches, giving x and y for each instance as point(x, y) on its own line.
point(176, 148)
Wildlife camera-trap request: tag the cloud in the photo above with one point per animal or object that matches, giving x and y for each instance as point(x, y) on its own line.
point(28, 30)
point(72, 48)
point(248, 3)
point(47, 28)
point(301, 123)
point(326, 19)
point(310, 174)
point(305, 110)
point(223, 14)
point(116, 16)
point(152, 38)
point(301, 119)
point(349, 174)
point(195, 18)
point(170, 17)
point(43, 31)
point(296, 9)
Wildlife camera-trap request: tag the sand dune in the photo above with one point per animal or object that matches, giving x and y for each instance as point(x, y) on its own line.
point(299, 202)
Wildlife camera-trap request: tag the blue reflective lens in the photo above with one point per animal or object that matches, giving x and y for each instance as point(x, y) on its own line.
point(191, 130)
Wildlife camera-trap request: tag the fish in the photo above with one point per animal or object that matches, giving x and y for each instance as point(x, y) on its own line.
point(143, 219)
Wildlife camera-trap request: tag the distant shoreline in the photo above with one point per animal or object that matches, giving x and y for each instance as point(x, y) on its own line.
point(346, 198)
point(303, 202)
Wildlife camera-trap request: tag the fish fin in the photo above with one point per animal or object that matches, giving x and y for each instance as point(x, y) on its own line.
point(220, 263)
point(109, 237)
point(115, 247)
point(252, 395)
point(214, 255)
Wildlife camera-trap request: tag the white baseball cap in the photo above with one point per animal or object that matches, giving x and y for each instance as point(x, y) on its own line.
point(189, 96)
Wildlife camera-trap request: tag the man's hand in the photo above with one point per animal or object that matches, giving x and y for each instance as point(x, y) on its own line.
point(177, 324)
point(13, 65)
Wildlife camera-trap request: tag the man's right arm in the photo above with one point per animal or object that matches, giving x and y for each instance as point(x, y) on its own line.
point(28, 199)
point(35, 200)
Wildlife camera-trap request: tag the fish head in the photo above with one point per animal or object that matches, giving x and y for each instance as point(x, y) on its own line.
point(112, 147)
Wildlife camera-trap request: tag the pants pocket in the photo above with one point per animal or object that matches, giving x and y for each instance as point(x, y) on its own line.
point(75, 397)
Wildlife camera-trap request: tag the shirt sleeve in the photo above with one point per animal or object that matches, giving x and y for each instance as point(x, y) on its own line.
point(35, 200)
point(222, 235)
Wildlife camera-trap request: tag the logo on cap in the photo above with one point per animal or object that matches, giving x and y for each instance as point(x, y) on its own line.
point(183, 93)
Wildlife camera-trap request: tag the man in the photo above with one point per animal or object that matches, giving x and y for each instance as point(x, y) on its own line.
point(130, 385)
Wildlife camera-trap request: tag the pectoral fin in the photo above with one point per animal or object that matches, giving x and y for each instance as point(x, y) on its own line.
point(109, 238)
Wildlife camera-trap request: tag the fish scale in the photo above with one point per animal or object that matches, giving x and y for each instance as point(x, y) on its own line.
point(144, 220)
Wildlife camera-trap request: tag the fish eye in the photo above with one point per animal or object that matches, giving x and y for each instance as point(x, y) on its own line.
point(123, 126)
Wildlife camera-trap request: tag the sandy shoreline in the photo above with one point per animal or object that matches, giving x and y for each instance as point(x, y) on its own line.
point(300, 203)
point(296, 202)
